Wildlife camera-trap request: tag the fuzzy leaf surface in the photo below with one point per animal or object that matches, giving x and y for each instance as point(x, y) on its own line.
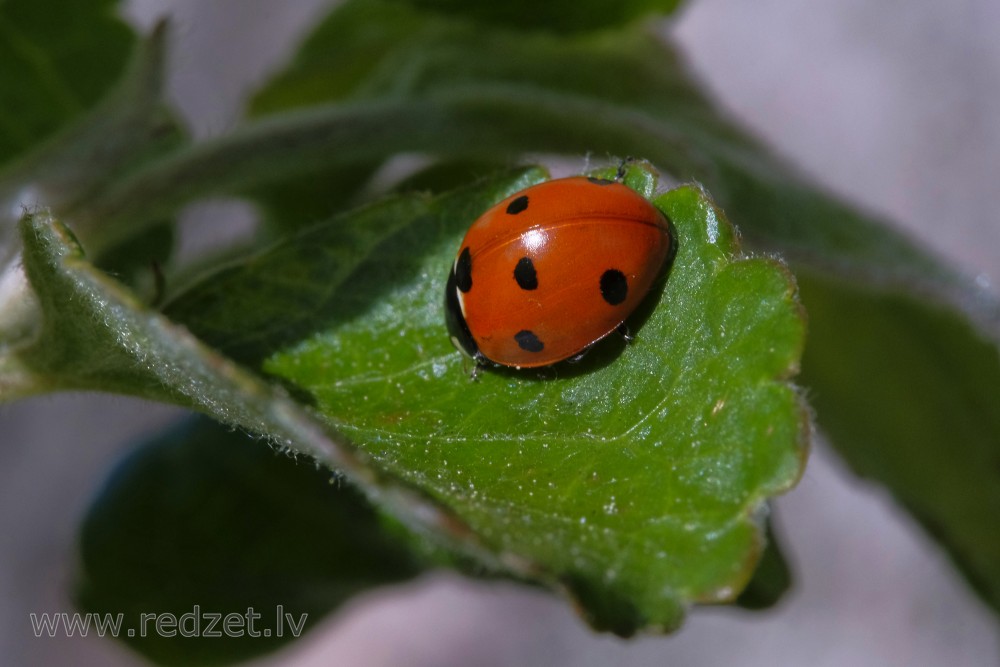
point(634, 479)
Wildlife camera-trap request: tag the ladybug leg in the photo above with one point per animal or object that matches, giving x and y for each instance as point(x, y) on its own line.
point(547, 373)
point(578, 356)
point(479, 364)
point(625, 333)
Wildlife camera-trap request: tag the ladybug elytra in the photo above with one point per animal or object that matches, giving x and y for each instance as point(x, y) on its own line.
point(549, 271)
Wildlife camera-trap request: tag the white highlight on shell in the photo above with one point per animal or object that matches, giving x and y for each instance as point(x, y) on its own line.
point(535, 239)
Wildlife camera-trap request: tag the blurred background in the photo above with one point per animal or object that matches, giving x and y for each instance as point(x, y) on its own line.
point(893, 104)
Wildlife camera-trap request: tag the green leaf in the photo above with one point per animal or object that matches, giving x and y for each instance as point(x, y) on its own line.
point(93, 334)
point(495, 93)
point(424, 83)
point(633, 482)
point(295, 203)
point(557, 15)
point(453, 88)
point(56, 60)
point(372, 47)
point(447, 87)
point(202, 520)
point(138, 261)
point(633, 479)
point(126, 128)
point(771, 580)
point(342, 53)
point(911, 400)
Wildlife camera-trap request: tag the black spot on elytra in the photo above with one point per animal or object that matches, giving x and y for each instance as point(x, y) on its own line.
point(600, 181)
point(525, 275)
point(463, 270)
point(518, 205)
point(614, 286)
point(528, 341)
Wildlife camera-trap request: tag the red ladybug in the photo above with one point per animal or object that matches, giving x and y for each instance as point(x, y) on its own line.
point(553, 269)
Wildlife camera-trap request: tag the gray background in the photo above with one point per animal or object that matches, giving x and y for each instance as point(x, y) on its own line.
point(894, 104)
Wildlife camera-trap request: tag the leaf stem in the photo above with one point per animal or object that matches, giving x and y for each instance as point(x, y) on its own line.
point(474, 122)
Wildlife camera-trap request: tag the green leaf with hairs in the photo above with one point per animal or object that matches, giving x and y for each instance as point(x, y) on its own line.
point(634, 479)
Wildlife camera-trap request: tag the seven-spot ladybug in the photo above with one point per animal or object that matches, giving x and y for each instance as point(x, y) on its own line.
point(551, 270)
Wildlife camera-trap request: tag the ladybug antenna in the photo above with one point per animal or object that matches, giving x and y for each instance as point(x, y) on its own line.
point(620, 175)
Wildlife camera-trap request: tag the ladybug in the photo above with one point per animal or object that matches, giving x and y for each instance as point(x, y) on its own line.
point(553, 269)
